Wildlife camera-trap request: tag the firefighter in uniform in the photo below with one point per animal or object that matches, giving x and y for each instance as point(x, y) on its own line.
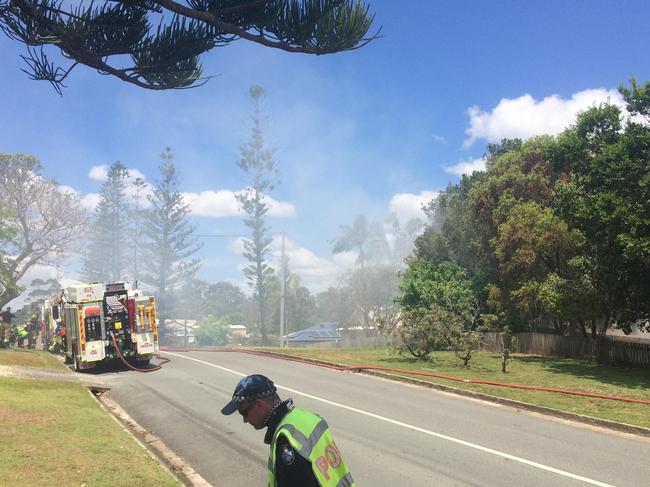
point(5, 327)
point(5, 332)
point(302, 451)
point(23, 334)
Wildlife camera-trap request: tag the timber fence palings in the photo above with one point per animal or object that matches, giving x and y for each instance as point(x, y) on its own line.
point(608, 350)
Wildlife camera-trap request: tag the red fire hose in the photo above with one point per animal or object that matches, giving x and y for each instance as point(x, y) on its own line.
point(132, 367)
point(357, 368)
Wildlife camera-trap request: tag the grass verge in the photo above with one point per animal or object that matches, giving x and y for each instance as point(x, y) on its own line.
point(23, 357)
point(55, 434)
point(530, 371)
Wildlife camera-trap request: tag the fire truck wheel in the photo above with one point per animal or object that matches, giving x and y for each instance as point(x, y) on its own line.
point(143, 364)
point(66, 358)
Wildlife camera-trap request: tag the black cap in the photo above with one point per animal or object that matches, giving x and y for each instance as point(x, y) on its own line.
point(252, 387)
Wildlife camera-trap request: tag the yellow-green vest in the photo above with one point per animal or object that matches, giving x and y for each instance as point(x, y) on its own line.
point(310, 436)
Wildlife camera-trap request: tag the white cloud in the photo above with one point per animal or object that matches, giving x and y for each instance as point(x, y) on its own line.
point(213, 203)
point(90, 200)
point(99, 173)
point(316, 272)
point(408, 205)
point(466, 167)
point(222, 203)
point(67, 189)
point(438, 138)
point(525, 117)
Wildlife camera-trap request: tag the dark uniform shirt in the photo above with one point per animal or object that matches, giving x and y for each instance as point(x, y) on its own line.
point(7, 316)
point(291, 469)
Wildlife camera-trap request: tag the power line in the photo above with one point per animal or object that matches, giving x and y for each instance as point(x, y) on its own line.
point(219, 235)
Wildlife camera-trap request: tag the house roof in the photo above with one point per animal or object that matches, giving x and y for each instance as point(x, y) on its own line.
point(322, 332)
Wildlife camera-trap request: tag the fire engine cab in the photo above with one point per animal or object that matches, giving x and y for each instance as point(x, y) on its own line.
point(104, 322)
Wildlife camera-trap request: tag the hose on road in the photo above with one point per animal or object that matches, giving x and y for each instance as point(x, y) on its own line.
point(132, 367)
point(358, 368)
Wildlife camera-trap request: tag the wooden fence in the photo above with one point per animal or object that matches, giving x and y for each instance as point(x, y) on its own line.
point(608, 350)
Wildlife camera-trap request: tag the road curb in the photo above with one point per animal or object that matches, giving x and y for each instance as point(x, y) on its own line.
point(580, 418)
point(178, 467)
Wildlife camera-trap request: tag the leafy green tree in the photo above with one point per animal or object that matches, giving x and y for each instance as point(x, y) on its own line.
point(41, 222)
point(421, 331)
point(223, 299)
point(168, 255)
point(257, 162)
point(335, 304)
point(440, 296)
point(212, 331)
point(106, 258)
point(555, 231)
point(637, 98)
point(120, 39)
point(608, 201)
point(39, 291)
point(454, 234)
point(532, 245)
point(463, 342)
point(445, 285)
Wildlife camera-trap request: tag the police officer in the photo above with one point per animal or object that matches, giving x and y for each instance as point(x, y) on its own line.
point(302, 452)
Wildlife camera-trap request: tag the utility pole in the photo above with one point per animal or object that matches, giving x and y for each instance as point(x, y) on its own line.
point(283, 324)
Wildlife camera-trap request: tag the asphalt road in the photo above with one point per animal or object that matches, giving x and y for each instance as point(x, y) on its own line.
point(391, 434)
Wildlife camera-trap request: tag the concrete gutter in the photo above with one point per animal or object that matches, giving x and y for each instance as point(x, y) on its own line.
point(580, 418)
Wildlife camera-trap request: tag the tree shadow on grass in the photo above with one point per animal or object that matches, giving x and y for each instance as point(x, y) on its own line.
point(629, 377)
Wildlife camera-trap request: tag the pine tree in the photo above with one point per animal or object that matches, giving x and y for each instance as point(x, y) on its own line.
point(123, 40)
point(167, 255)
point(257, 161)
point(135, 239)
point(107, 254)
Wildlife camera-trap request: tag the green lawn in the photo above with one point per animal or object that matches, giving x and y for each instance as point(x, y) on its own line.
point(531, 371)
point(28, 358)
point(55, 434)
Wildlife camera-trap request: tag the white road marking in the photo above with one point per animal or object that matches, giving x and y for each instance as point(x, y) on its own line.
point(417, 428)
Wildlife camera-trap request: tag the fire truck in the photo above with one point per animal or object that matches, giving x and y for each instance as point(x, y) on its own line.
point(99, 323)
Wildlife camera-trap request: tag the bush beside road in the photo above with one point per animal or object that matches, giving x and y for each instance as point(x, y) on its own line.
point(550, 372)
point(55, 434)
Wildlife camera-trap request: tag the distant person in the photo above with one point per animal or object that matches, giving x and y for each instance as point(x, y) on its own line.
point(7, 315)
point(23, 335)
point(32, 328)
point(5, 333)
point(302, 452)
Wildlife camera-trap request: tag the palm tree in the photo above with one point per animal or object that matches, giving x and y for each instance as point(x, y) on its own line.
point(368, 239)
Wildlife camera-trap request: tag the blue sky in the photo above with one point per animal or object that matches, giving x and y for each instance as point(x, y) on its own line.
point(372, 131)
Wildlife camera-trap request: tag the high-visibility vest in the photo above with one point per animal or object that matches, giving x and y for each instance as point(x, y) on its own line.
point(310, 436)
